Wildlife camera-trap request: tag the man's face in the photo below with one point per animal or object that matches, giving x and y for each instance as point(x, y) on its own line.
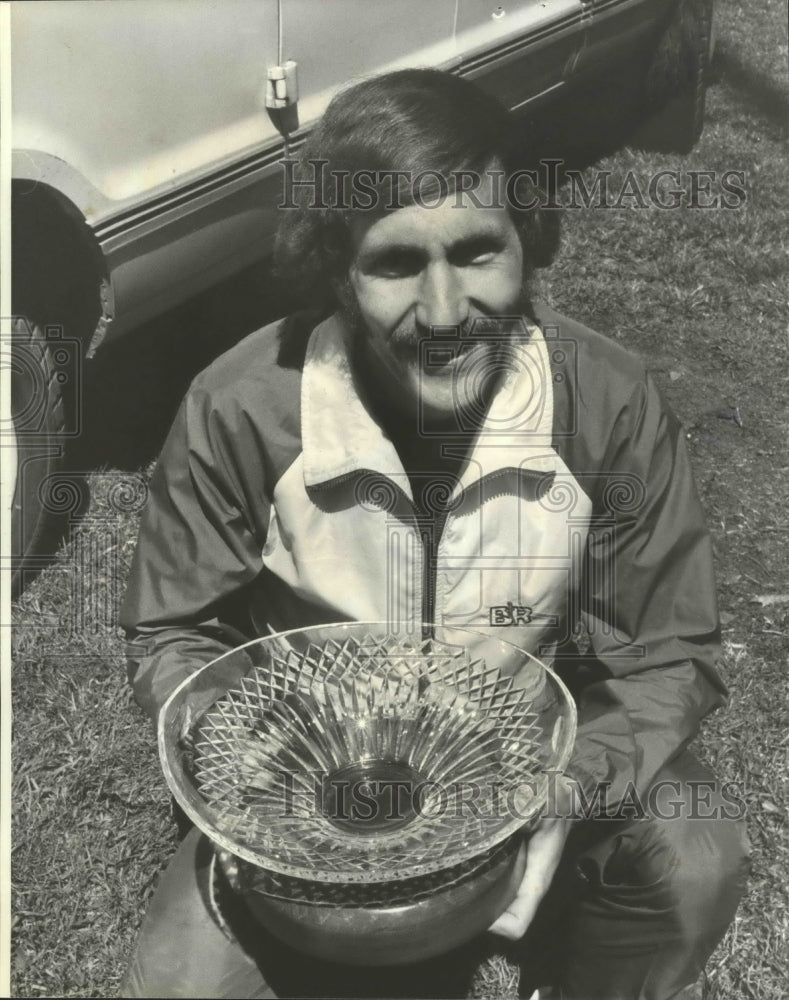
point(417, 268)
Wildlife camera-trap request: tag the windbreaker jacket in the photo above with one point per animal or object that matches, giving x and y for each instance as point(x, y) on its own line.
point(279, 502)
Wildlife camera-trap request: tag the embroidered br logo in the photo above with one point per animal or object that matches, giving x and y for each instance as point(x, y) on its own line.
point(502, 615)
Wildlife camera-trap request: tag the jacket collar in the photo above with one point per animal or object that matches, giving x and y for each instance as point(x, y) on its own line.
point(340, 437)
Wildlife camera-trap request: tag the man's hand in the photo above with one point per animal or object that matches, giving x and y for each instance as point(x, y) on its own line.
point(543, 853)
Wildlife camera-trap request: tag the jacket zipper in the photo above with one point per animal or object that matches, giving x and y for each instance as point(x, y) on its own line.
point(430, 538)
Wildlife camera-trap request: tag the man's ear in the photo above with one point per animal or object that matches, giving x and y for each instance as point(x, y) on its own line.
point(541, 237)
point(341, 286)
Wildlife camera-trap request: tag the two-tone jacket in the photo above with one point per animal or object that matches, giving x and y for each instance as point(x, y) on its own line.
point(279, 502)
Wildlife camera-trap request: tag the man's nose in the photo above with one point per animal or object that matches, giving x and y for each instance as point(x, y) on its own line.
point(442, 298)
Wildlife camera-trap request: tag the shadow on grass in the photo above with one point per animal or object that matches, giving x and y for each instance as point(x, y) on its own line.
point(762, 95)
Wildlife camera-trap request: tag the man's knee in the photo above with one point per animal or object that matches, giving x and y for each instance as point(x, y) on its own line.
point(709, 845)
point(691, 850)
point(658, 894)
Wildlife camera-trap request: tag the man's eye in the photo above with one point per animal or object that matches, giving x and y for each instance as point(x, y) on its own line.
point(476, 254)
point(396, 265)
point(483, 258)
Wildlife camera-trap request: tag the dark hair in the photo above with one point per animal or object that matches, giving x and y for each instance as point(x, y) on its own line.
point(415, 122)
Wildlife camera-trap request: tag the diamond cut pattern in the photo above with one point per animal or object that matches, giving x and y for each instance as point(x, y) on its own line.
point(261, 753)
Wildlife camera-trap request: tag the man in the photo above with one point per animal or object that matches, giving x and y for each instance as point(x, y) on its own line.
point(531, 476)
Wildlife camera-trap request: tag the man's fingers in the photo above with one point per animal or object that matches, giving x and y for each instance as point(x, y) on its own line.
point(543, 853)
point(507, 926)
point(519, 914)
point(514, 922)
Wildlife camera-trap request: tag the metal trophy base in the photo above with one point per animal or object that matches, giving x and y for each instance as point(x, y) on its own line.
point(429, 922)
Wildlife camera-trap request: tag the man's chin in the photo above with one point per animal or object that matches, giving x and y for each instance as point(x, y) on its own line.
point(470, 381)
point(450, 402)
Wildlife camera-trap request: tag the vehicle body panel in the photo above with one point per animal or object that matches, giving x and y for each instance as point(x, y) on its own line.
point(336, 44)
point(149, 116)
point(126, 91)
point(522, 49)
point(620, 25)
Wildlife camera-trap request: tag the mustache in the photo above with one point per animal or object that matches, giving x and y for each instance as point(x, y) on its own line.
point(411, 335)
point(405, 339)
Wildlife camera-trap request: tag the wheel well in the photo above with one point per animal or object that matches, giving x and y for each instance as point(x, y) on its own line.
point(56, 264)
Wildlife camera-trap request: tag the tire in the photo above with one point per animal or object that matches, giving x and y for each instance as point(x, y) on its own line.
point(675, 83)
point(40, 372)
point(54, 297)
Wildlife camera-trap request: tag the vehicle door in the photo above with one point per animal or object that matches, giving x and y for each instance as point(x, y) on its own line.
point(520, 49)
point(617, 26)
point(335, 43)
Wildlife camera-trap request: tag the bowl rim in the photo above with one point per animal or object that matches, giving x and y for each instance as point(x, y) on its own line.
point(170, 720)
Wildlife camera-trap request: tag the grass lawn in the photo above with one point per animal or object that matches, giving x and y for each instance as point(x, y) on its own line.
point(701, 296)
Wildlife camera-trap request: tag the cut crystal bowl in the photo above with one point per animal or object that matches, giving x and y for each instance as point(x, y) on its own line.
point(368, 771)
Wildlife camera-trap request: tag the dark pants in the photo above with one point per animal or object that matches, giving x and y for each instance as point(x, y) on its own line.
point(633, 913)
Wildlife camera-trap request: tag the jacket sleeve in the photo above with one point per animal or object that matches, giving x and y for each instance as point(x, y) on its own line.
point(648, 604)
point(196, 552)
